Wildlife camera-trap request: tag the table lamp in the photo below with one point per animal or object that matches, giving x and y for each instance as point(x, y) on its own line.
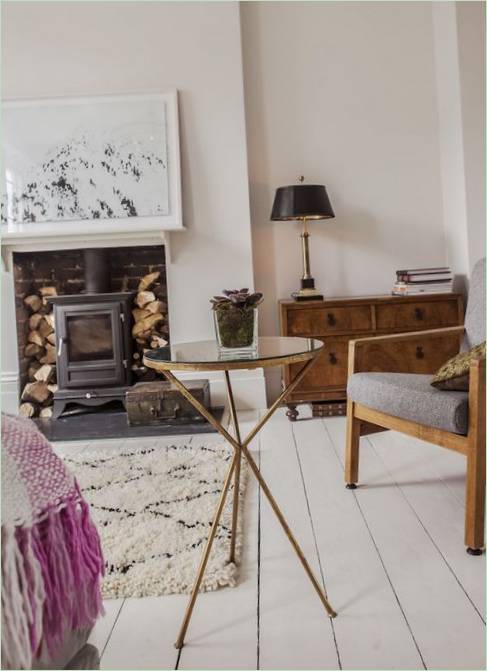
point(303, 202)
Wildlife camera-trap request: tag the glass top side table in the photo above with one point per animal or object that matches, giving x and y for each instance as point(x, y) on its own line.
point(205, 355)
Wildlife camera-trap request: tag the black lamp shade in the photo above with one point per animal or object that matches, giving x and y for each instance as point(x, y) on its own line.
point(300, 201)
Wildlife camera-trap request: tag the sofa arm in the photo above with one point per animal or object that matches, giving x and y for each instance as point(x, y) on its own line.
point(413, 352)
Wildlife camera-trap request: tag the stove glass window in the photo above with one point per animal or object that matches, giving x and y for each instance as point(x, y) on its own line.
point(89, 337)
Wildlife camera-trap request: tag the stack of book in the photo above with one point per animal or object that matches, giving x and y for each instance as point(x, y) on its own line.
point(422, 281)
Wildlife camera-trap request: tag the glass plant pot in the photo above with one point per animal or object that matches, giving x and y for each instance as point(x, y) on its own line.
point(236, 331)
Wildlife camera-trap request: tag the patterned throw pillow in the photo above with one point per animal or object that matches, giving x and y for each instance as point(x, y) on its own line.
point(453, 375)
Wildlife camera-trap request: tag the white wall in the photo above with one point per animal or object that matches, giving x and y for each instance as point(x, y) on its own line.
point(451, 139)
point(459, 30)
point(471, 58)
point(343, 93)
point(77, 48)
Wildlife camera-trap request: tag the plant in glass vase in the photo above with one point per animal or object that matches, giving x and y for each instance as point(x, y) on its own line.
point(235, 316)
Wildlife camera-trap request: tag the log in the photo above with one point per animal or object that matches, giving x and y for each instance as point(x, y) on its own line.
point(148, 280)
point(50, 319)
point(146, 324)
point(46, 292)
point(35, 320)
point(157, 341)
point(45, 328)
point(36, 338)
point(33, 350)
point(51, 338)
point(52, 388)
point(139, 314)
point(33, 302)
point(27, 410)
point(46, 413)
point(154, 307)
point(50, 356)
point(45, 373)
point(36, 391)
point(32, 370)
point(144, 297)
point(136, 356)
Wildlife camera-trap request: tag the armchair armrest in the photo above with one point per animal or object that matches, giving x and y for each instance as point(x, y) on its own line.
point(360, 349)
point(476, 396)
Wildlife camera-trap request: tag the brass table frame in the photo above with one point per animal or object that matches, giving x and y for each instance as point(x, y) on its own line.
point(241, 448)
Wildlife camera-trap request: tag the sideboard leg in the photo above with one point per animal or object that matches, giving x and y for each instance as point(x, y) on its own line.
point(292, 413)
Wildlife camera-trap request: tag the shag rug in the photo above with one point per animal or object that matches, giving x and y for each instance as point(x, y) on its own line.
point(153, 509)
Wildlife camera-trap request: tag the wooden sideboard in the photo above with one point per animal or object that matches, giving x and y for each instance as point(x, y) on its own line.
point(336, 321)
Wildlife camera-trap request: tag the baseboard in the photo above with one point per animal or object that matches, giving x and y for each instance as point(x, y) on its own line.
point(9, 395)
point(248, 389)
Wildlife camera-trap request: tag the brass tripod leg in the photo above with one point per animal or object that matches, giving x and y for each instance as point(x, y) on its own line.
point(206, 554)
point(240, 447)
point(236, 480)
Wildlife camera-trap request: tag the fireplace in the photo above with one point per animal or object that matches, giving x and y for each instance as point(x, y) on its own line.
point(94, 349)
point(84, 318)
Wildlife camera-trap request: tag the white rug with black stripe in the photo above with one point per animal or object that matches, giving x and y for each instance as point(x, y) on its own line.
point(153, 509)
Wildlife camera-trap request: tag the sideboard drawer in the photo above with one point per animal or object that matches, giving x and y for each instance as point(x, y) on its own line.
point(419, 355)
point(421, 315)
point(324, 320)
point(331, 367)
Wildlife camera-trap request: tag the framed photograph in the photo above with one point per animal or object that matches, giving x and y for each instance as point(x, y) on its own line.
point(108, 162)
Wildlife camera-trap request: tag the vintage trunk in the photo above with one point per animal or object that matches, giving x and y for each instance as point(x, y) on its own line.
point(158, 402)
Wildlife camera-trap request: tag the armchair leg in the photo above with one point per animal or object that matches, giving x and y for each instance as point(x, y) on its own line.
point(352, 447)
point(475, 498)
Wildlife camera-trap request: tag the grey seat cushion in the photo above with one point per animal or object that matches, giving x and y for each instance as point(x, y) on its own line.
point(411, 397)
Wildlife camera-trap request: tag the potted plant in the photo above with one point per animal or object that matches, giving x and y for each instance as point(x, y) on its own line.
point(235, 316)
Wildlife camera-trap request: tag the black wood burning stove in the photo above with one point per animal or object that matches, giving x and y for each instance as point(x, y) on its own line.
point(93, 340)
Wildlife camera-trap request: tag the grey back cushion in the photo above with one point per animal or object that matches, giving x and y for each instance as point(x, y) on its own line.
point(475, 315)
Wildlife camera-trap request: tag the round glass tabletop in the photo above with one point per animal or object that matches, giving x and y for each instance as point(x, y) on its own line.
point(205, 355)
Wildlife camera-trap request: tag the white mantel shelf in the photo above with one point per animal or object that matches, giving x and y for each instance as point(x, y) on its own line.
point(79, 235)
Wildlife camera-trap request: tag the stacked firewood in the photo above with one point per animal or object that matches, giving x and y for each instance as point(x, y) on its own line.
point(150, 327)
point(36, 397)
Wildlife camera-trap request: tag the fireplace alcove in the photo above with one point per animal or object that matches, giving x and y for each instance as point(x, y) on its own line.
point(95, 350)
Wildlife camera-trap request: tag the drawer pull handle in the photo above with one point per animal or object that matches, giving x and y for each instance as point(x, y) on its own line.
point(332, 358)
point(418, 314)
point(419, 352)
point(330, 318)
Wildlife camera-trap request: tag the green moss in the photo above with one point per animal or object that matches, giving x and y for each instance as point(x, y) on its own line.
point(236, 326)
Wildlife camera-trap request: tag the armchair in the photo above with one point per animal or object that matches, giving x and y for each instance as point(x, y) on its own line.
point(379, 400)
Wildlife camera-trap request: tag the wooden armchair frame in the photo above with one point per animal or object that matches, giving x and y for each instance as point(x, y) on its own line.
point(362, 420)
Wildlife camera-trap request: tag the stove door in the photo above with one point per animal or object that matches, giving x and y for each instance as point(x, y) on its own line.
point(90, 350)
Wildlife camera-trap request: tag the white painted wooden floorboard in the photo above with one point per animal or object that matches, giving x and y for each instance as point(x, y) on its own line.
point(438, 509)
point(448, 630)
point(295, 631)
point(144, 634)
point(223, 630)
point(435, 463)
point(103, 627)
point(370, 628)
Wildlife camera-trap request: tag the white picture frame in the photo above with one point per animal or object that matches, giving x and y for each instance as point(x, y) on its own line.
point(157, 203)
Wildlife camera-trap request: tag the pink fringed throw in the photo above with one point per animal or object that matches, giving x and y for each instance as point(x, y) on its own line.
point(52, 562)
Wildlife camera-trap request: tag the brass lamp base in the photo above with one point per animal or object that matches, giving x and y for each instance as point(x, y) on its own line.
point(307, 295)
point(307, 291)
